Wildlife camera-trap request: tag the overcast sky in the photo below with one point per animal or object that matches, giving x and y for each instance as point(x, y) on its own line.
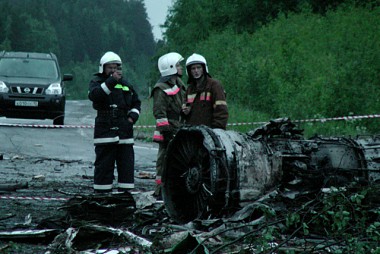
point(157, 11)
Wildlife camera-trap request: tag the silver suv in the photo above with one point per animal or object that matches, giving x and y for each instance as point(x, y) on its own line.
point(31, 86)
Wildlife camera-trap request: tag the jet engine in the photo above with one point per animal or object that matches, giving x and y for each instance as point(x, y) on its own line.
point(210, 171)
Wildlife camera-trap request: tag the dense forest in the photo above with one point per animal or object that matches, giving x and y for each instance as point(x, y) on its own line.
point(79, 32)
point(300, 59)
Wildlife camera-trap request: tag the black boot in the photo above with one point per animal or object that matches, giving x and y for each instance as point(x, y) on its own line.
point(102, 191)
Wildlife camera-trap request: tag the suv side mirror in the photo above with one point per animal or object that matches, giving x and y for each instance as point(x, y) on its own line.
point(67, 77)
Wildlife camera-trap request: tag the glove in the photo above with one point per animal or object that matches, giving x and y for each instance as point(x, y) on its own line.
point(111, 82)
point(134, 116)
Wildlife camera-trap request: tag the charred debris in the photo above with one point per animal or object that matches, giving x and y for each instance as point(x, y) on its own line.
point(210, 171)
point(266, 191)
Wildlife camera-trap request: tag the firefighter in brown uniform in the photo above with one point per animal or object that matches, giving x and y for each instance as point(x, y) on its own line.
point(205, 97)
point(118, 108)
point(168, 97)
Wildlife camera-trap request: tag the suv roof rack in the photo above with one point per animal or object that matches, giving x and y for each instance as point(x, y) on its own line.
point(28, 55)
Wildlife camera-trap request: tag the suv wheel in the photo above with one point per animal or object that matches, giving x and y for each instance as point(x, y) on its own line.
point(59, 120)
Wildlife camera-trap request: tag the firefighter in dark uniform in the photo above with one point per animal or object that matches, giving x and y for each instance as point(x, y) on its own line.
point(205, 97)
point(168, 96)
point(118, 108)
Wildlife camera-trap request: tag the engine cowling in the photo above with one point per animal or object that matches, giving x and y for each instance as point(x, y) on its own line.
point(208, 172)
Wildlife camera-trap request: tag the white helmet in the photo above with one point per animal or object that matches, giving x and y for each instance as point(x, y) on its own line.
point(196, 59)
point(167, 63)
point(108, 58)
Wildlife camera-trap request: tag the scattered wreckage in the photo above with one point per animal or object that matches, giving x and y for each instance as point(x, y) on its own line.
point(211, 171)
point(221, 191)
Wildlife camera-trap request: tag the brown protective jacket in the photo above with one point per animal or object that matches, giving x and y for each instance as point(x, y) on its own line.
point(208, 105)
point(167, 104)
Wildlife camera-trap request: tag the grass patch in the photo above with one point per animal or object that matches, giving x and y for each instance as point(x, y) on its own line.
point(244, 119)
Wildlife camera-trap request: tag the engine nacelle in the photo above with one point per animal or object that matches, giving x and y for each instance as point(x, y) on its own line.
point(210, 171)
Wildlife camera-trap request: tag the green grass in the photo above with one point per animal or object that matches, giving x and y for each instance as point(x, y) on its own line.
point(247, 118)
point(244, 116)
point(144, 127)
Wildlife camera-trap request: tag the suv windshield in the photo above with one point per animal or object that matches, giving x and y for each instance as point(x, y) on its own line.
point(34, 68)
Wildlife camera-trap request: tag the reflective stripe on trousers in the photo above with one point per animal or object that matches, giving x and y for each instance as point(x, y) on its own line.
point(106, 157)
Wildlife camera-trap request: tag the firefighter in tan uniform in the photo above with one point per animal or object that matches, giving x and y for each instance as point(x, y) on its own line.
point(168, 97)
point(205, 97)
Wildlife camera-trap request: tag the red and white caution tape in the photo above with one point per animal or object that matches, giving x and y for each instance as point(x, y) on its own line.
point(46, 126)
point(346, 118)
point(50, 126)
point(322, 120)
point(248, 123)
point(34, 198)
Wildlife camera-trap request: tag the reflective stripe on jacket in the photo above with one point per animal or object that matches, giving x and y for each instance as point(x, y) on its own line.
point(208, 105)
point(167, 105)
point(114, 107)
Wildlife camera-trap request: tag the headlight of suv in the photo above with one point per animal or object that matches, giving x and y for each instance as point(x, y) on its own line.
point(54, 88)
point(3, 87)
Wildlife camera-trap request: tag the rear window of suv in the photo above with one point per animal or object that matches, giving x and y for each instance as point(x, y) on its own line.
point(28, 68)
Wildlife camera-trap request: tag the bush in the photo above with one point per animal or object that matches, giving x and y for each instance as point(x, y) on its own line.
point(302, 65)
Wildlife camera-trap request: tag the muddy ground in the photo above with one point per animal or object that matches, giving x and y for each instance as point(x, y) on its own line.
point(34, 190)
point(45, 193)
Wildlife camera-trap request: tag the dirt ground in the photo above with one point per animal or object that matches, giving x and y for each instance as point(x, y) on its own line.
point(44, 193)
point(34, 190)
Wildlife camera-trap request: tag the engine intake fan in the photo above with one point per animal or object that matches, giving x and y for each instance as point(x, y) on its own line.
point(200, 176)
point(210, 171)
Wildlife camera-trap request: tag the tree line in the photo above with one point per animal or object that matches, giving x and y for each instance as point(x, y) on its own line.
point(300, 59)
point(79, 32)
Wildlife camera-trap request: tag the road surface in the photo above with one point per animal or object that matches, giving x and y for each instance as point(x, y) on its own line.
point(63, 143)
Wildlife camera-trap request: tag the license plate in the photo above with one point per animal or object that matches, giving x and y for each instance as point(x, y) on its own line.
point(26, 103)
